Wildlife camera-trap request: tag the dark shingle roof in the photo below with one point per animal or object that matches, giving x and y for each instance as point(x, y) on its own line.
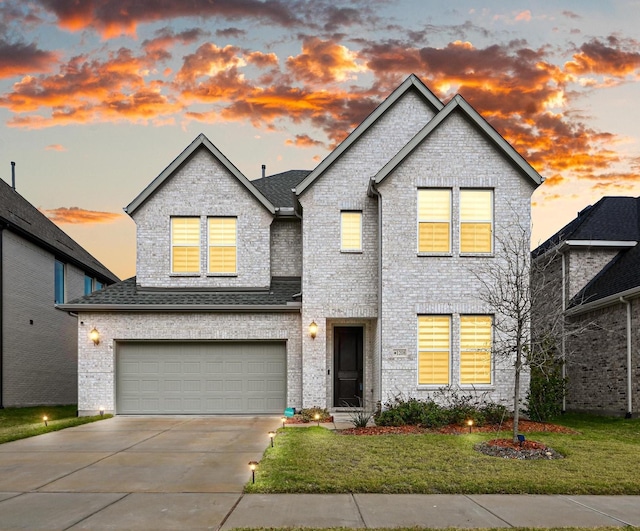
point(277, 188)
point(22, 217)
point(284, 292)
point(610, 219)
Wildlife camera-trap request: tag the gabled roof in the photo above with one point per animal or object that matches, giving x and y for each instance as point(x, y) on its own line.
point(201, 141)
point(460, 104)
point(21, 217)
point(283, 295)
point(612, 220)
point(277, 188)
point(412, 82)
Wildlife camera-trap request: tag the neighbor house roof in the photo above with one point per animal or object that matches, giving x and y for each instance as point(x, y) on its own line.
point(612, 221)
point(411, 83)
point(201, 142)
point(458, 103)
point(21, 217)
point(278, 188)
point(284, 294)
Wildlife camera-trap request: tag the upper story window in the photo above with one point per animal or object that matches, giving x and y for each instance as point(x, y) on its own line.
point(59, 290)
point(476, 221)
point(88, 285)
point(185, 245)
point(434, 348)
point(222, 245)
point(350, 231)
point(475, 349)
point(98, 285)
point(434, 220)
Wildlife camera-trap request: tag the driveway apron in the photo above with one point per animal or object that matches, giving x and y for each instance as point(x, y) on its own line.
point(131, 473)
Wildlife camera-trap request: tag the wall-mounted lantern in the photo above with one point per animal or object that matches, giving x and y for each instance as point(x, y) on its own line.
point(94, 336)
point(313, 329)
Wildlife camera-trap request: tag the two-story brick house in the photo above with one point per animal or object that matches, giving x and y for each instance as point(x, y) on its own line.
point(348, 283)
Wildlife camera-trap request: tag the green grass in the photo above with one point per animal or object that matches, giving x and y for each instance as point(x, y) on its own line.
point(610, 528)
point(23, 422)
point(598, 460)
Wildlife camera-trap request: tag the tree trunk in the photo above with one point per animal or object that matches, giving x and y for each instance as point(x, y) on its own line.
point(516, 394)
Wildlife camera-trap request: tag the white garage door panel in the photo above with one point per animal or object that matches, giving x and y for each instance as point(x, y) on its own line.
point(200, 378)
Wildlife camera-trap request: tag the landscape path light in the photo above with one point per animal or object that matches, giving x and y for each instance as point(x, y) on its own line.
point(284, 421)
point(45, 419)
point(272, 434)
point(317, 417)
point(253, 465)
point(470, 424)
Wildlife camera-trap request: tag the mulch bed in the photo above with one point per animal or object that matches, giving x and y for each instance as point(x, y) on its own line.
point(507, 449)
point(299, 420)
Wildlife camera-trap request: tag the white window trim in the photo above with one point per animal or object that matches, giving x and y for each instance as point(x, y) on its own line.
point(345, 211)
point(172, 245)
point(460, 222)
point(418, 221)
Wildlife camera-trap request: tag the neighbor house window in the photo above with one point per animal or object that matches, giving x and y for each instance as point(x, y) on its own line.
point(185, 245)
point(222, 245)
point(434, 349)
point(434, 221)
point(475, 349)
point(476, 221)
point(59, 282)
point(88, 285)
point(98, 285)
point(351, 231)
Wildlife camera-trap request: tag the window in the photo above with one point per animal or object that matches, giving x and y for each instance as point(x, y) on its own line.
point(185, 245)
point(88, 285)
point(475, 349)
point(222, 245)
point(476, 221)
point(434, 342)
point(434, 221)
point(351, 231)
point(98, 285)
point(59, 282)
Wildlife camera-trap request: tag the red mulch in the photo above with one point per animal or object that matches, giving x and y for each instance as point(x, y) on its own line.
point(300, 420)
point(524, 426)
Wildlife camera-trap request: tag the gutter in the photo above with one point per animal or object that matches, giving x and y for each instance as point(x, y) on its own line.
point(564, 338)
point(290, 307)
point(602, 303)
point(373, 191)
point(629, 372)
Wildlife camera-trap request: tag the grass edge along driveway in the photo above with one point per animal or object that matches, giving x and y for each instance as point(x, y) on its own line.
point(23, 422)
point(315, 460)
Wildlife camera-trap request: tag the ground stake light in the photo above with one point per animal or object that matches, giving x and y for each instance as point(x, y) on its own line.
point(272, 434)
point(470, 424)
point(252, 466)
point(45, 419)
point(284, 420)
point(317, 417)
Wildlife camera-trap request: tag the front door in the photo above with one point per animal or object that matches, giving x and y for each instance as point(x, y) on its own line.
point(347, 366)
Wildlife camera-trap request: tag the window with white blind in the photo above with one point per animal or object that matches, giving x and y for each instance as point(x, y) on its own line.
point(434, 220)
point(476, 221)
point(434, 349)
point(475, 349)
point(222, 245)
point(185, 245)
point(350, 231)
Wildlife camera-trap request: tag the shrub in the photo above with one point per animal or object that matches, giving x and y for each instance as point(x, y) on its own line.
point(401, 412)
point(309, 414)
point(546, 390)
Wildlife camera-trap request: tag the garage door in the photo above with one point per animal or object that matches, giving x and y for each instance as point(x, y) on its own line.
point(200, 378)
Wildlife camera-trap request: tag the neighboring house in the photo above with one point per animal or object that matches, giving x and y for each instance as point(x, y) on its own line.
point(347, 284)
point(596, 261)
point(40, 266)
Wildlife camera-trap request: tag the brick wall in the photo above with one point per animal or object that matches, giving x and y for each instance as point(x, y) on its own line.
point(39, 359)
point(202, 187)
point(582, 264)
point(286, 248)
point(96, 363)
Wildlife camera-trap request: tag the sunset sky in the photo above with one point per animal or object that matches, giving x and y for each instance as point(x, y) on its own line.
point(97, 97)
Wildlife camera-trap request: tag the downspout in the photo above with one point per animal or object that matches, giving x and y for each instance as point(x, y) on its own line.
point(629, 372)
point(1, 316)
point(375, 192)
point(564, 338)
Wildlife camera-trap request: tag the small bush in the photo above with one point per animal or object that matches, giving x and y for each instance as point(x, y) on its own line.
point(309, 414)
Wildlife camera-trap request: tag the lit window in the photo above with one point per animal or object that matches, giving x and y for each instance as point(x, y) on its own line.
point(185, 245)
point(475, 349)
point(476, 221)
point(88, 285)
point(59, 282)
point(351, 231)
point(434, 221)
point(222, 245)
point(434, 349)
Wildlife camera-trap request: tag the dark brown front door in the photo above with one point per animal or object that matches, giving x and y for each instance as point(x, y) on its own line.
point(347, 365)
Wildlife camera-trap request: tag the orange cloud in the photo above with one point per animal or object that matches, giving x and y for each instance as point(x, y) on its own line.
point(323, 62)
point(524, 15)
point(77, 215)
point(304, 141)
point(616, 57)
point(19, 59)
point(56, 147)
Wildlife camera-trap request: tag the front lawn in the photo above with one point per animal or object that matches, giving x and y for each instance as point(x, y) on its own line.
point(23, 422)
point(598, 460)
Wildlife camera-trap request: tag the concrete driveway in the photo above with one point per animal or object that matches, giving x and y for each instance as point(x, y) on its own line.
point(131, 473)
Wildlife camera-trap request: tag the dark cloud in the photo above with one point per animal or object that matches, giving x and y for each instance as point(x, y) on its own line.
point(614, 57)
point(19, 58)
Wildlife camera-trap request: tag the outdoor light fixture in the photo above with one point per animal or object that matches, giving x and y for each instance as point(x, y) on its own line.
point(284, 420)
point(252, 466)
point(102, 411)
point(45, 419)
point(313, 329)
point(470, 424)
point(94, 336)
point(317, 417)
point(272, 434)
